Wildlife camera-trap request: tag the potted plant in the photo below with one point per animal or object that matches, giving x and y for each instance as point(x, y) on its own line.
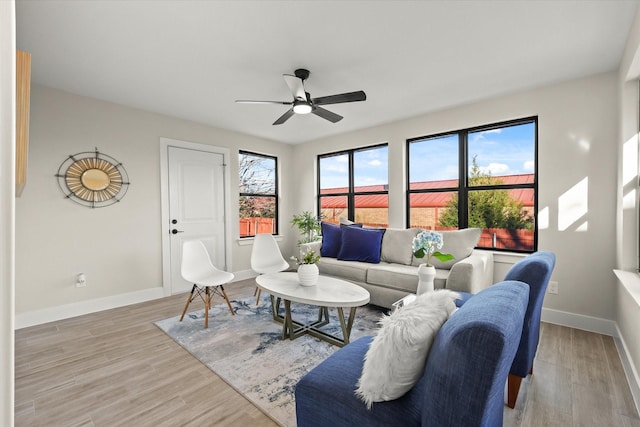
point(309, 226)
point(307, 268)
point(427, 244)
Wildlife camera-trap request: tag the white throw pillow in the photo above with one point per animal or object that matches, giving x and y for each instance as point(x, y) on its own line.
point(396, 358)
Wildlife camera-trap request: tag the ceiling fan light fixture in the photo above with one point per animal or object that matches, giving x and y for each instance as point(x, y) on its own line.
point(302, 108)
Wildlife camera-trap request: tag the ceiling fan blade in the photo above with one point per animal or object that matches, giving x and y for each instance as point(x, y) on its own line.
point(283, 118)
point(340, 98)
point(244, 101)
point(296, 86)
point(326, 114)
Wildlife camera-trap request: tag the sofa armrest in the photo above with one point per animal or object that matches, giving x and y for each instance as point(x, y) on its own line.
point(311, 246)
point(472, 274)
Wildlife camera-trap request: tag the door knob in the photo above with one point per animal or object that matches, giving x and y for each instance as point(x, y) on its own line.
point(174, 221)
point(174, 231)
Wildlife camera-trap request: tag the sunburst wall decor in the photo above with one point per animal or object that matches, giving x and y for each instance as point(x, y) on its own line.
point(93, 179)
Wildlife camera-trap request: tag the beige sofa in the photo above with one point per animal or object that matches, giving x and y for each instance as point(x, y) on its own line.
point(396, 275)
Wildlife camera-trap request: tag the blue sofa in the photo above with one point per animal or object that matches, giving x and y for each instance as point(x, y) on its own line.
point(462, 384)
point(534, 270)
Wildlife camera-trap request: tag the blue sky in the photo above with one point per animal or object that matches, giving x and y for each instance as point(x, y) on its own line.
point(504, 151)
point(370, 168)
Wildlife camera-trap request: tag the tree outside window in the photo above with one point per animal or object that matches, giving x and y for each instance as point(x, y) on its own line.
point(258, 202)
point(498, 194)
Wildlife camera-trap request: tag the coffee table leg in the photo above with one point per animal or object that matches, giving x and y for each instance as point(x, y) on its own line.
point(287, 326)
point(346, 328)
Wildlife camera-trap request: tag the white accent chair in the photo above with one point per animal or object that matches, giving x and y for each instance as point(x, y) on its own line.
point(266, 258)
point(198, 269)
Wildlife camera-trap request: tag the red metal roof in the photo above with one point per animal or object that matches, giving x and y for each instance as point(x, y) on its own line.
point(524, 196)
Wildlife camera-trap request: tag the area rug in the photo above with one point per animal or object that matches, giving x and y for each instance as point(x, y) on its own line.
point(247, 350)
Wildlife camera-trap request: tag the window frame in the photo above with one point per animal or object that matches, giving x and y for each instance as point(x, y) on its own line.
point(275, 194)
point(350, 194)
point(463, 189)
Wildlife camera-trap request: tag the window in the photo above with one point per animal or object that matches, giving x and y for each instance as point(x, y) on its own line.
point(354, 185)
point(483, 177)
point(258, 204)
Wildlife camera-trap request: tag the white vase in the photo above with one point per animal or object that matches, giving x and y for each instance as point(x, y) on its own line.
point(425, 278)
point(308, 274)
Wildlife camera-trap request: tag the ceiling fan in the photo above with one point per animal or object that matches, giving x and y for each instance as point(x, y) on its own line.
point(303, 103)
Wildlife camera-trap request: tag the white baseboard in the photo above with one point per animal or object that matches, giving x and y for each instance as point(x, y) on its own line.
point(629, 368)
point(580, 321)
point(66, 311)
point(38, 317)
point(243, 275)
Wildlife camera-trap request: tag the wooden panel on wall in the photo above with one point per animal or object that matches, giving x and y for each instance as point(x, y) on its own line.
point(23, 94)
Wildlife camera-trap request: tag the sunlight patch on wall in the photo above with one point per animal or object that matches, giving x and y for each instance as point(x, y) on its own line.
point(630, 160)
point(543, 218)
point(582, 142)
point(573, 206)
point(629, 200)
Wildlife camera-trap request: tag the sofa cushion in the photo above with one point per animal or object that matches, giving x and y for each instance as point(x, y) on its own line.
point(459, 243)
point(346, 222)
point(360, 244)
point(348, 270)
point(401, 277)
point(396, 245)
point(396, 358)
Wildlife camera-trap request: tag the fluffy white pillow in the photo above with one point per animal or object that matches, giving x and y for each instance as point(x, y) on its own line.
point(396, 358)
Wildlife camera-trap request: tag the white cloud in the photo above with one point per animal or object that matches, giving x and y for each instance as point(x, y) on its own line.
point(528, 165)
point(335, 168)
point(481, 135)
point(375, 163)
point(495, 168)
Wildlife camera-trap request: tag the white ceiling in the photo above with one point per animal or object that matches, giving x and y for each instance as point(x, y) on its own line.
point(192, 59)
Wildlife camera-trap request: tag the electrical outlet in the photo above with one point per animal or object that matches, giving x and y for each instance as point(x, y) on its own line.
point(553, 287)
point(81, 280)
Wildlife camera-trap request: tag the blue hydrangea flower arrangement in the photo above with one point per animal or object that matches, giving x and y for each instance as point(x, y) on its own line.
point(428, 243)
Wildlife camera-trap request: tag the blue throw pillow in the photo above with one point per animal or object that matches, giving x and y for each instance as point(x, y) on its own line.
point(331, 240)
point(360, 244)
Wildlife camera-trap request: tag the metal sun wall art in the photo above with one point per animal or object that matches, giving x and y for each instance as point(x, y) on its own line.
point(93, 179)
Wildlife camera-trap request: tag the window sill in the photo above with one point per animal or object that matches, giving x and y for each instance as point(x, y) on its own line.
point(630, 280)
point(246, 241)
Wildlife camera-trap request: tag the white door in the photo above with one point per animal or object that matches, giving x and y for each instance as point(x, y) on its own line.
point(196, 207)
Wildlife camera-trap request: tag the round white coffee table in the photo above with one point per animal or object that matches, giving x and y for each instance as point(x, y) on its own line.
point(328, 292)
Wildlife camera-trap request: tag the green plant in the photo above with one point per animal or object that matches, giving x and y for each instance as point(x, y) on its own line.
point(487, 208)
point(309, 257)
point(308, 225)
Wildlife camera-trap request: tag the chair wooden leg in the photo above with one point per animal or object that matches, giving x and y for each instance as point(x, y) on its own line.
point(207, 305)
point(190, 297)
point(227, 299)
point(258, 297)
point(513, 387)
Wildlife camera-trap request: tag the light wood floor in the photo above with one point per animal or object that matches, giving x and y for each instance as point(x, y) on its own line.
point(115, 368)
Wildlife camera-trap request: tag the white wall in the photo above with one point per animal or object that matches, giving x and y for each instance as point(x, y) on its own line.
point(577, 179)
point(7, 196)
point(118, 247)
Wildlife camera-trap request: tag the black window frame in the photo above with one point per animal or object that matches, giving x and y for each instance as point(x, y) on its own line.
point(463, 188)
point(274, 195)
point(351, 194)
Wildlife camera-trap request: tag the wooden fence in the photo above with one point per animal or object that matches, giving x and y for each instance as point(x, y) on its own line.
point(253, 226)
